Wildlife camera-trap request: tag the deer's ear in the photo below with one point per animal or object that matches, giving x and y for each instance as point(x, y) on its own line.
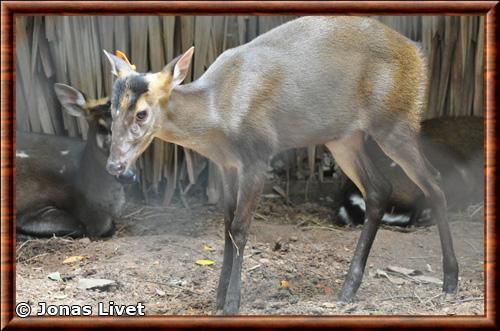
point(119, 67)
point(72, 100)
point(179, 67)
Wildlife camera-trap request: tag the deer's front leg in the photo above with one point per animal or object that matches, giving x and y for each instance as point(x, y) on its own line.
point(250, 184)
point(230, 188)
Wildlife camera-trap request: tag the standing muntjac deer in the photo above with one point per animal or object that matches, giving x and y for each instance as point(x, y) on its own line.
point(62, 186)
point(314, 80)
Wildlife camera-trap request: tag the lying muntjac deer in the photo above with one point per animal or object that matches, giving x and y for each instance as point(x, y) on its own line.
point(62, 186)
point(453, 145)
point(315, 80)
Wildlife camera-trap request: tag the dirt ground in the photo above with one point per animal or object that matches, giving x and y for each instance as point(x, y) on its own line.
point(295, 263)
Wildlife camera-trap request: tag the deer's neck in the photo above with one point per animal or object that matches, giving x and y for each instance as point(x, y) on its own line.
point(191, 120)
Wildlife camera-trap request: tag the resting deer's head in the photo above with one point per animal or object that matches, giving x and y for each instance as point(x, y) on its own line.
point(98, 115)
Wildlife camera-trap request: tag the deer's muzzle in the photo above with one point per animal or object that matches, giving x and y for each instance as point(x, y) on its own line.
point(128, 177)
point(115, 168)
point(119, 169)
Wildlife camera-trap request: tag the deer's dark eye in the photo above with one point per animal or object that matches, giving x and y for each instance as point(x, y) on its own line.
point(141, 115)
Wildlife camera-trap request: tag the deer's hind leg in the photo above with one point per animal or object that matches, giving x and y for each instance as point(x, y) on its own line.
point(49, 221)
point(401, 145)
point(230, 188)
point(351, 156)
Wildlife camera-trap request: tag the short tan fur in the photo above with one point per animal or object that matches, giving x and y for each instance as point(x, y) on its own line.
point(314, 80)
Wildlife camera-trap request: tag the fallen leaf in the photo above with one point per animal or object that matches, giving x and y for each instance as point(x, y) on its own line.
point(55, 276)
point(73, 259)
point(208, 248)
point(204, 262)
point(160, 292)
point(284, 283)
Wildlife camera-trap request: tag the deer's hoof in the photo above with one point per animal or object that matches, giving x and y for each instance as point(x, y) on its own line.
point(447, 297)
point(342, 299)
point(230, 309)
point(450, 285)
point(347, 294)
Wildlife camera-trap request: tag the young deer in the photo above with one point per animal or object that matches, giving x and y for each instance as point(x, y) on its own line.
point(315, 80)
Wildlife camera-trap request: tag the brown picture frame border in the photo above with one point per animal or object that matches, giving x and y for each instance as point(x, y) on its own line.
point(10, 9)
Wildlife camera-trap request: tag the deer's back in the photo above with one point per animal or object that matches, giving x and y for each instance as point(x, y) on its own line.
point(324, 75)
point(46, 167)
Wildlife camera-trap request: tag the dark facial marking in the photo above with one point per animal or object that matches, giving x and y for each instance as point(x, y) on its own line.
point(117, 92)
point(134, 85)
point(138, 86)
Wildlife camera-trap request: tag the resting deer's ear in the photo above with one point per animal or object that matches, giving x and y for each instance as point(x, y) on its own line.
point(72, 100)
point(179, 67)
point(119, 67)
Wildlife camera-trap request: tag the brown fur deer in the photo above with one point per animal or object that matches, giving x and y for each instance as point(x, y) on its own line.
point(62, 186)
point(314, 80)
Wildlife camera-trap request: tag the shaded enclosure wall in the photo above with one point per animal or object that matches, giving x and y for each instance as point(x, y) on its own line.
point(69, 50)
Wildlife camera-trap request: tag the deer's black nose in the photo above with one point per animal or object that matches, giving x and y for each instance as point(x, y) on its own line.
point(115, 168)
point(127, 177)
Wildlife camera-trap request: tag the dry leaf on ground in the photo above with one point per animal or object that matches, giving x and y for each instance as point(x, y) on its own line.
point(72, 259)
point(204, 262)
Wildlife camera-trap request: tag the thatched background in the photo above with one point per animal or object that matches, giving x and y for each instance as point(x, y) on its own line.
point(69, 50)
